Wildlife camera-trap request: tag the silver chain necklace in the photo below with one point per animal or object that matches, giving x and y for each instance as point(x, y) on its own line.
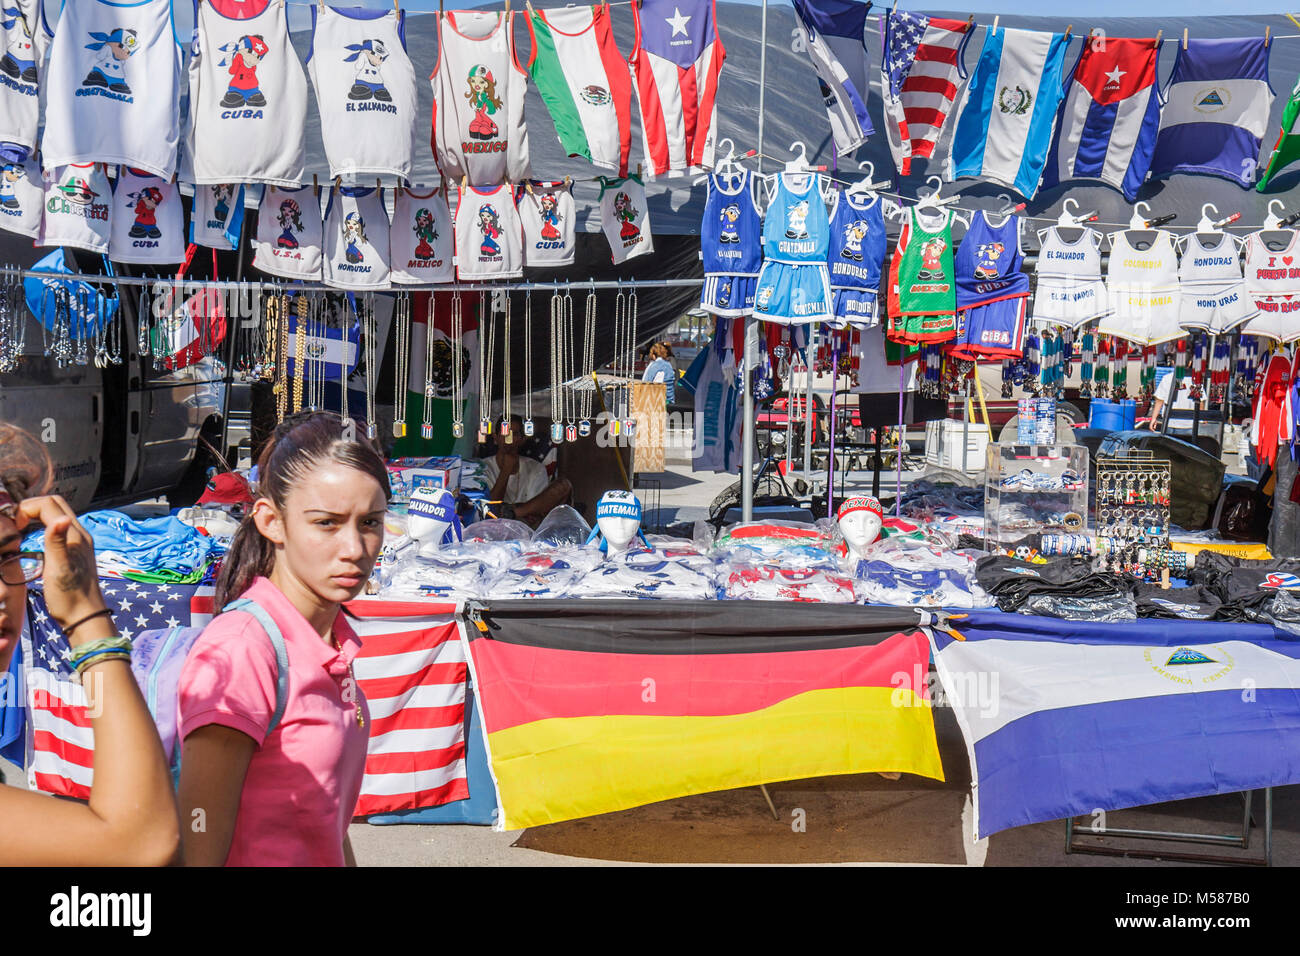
point(506, 405)
point(528, 364)
point(588, 364)
point(401, 362)
point(487, 317)
point(557, 379)
point(371, 347)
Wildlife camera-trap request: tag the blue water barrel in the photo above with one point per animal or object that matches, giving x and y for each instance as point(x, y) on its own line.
point(1129, 409)
point(1108, 415)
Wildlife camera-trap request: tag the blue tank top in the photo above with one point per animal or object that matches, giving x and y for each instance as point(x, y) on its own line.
point(731, 232)
point(857, 246)
point(987, 263)
point(797, 229)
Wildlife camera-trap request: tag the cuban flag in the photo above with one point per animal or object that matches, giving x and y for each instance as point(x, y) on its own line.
point(676, 61)
point(1063, 718)
point(1107, 126)
point(1005, 125)
point(836, 37)
point(1216, 113)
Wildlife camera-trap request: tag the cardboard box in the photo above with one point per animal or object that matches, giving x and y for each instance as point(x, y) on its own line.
point(407, 474)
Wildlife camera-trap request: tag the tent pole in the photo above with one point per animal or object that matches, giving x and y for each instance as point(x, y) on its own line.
point(762, 84)
point(748, 438)
point(810, 352)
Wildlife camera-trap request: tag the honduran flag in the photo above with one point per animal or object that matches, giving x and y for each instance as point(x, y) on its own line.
point(1108, 123)
point(590, 707)
point(836, 36)
point(1005, 125)
point(676, 61)
point(1216, 110)
point(1063, 718)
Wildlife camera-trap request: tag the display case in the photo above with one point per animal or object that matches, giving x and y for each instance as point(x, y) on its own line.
point(1033, 489)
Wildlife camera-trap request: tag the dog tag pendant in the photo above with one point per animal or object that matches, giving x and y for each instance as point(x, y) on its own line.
point(426, 431)
point(615, 427)
point(399, 429)
point(528, 428)
point(505, 432)
point(557, 432)
point(584, 428)
point(571, 433)
point(629, 427)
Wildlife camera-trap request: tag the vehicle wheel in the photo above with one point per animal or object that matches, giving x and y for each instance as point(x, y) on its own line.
point(730, 497)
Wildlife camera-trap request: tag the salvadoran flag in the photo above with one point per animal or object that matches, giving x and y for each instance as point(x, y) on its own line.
point(836, 37)
point(1108, 124)
point(325, 349)
point(1063, 718)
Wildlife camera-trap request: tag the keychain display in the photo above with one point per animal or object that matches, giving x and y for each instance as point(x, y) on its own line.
point(1132, 506)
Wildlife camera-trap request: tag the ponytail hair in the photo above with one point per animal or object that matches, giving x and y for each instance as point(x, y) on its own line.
point(299, 445)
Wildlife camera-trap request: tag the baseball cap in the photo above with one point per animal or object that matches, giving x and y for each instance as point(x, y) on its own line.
point(226, 488)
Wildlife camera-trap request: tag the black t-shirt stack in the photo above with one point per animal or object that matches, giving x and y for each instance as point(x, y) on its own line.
point(1064, 587)
point(1265, 591)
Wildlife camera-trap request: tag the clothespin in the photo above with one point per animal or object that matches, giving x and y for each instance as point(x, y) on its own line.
point(315, 182)
point(997, 17)
point(528, 186)
point(464, 181)
point(396, 9)
point(1267, 32)
point(1231, 219)
point(1161, 220)
point(638, 170)
point(1184, 38)
point(895, 10)
point(1068, 30)
point(1159, 34)
point(568, 180)
point(379, 183)
point(338, 182)
point(970, 20)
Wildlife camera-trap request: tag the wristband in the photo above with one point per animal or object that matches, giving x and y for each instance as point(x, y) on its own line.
point(86, 661)
point(116, 645)
point(103, 612)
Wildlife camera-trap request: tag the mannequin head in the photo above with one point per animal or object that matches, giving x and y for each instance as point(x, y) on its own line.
point(618, 521)
point(431, 519)
point(859, 519)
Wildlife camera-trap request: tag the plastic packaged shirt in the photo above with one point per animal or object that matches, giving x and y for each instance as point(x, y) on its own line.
point(541, 574)
point(498, 529)
point(903, 572)
point(1070, 607)
point(784, 544)
point(562, 528)
point(648, 575)
point(759, 582)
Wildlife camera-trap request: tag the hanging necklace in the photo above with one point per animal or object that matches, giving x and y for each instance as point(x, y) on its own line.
point(486, 357)
point(426, 420)
point(401, 363)
point(299, 348)
point(528, 364)
point(570, 373)
point(372, 427)
point(588, 364)
point(346, 323)
point(506, 405)
point(616, 365)
point(143, 307)
point(557, 397)
point(629, 422)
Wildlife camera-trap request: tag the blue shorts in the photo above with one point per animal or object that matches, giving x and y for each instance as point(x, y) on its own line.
point(996, 330)
point(793, 294)
point(855, 308)
point(728, 295)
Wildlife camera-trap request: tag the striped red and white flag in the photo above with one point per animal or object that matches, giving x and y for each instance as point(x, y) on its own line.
point(921, 70)
point(412, 670)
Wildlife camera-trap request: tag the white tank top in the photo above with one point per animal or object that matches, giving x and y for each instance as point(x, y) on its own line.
point(489, 242)
point(356, 239)
point(22, 194)
point(148, 221)
point(478, 109)
point(20, 110)
point(78, 208)
point(421, 237)
point(113, 87)
point(248, 96)
point(211, 214)
point(1069, 289)
point(1143, 289)
point(289, 233)
point(625, 218)
point(1214, 293)
point(547, 214)
point(365, 91)
point(1273, 282)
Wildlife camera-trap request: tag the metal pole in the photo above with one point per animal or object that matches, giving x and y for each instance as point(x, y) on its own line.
point(762, 83)
point(230, 344)
point(747, 454)
point(830, 454)
point(810, 351)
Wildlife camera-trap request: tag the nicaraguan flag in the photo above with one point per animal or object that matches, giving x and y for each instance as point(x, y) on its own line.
point(1063, 718)
point(836, 35)
point(1107, 126)
point(1005, 126)
point(1216, 110)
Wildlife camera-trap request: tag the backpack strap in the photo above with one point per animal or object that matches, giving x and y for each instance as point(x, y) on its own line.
point(281, 654)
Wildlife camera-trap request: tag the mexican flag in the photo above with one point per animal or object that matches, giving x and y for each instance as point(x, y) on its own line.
point(1287, 149)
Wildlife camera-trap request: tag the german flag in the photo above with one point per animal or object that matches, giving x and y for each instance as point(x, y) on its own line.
point(595, 706)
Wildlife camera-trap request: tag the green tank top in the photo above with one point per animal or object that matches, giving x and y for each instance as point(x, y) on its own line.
point(926, 281)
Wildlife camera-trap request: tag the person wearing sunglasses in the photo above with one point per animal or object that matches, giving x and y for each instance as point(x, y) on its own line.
point(131, 817)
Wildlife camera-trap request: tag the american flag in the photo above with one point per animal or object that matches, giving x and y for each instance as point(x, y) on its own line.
point(921, 70)
point(412, 670)
point(61, 742)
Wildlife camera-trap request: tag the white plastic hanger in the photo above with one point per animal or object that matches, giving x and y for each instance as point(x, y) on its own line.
point(888, 207)
point(1138, 234)
point(724, 168)
point(799, 165)
point(1070, 219)
point(932, 200)
point(1273, 231)
point(1208, 227)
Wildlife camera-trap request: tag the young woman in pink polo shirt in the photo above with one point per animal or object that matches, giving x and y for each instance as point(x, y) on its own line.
point(254, 790)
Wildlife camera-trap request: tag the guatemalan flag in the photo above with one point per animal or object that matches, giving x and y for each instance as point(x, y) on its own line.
point(1063, 718)
point(1005, 125)
point(1108, 124)
point(836, 37)
point(676, 61)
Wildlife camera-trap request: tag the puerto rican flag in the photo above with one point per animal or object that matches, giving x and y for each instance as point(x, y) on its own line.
point(1107, 127)
point(921, 72)
point(676, 61)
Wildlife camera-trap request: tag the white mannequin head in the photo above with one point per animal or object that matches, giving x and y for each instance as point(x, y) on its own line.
point(431, 519)
point(618, 520)
point(860, 520)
